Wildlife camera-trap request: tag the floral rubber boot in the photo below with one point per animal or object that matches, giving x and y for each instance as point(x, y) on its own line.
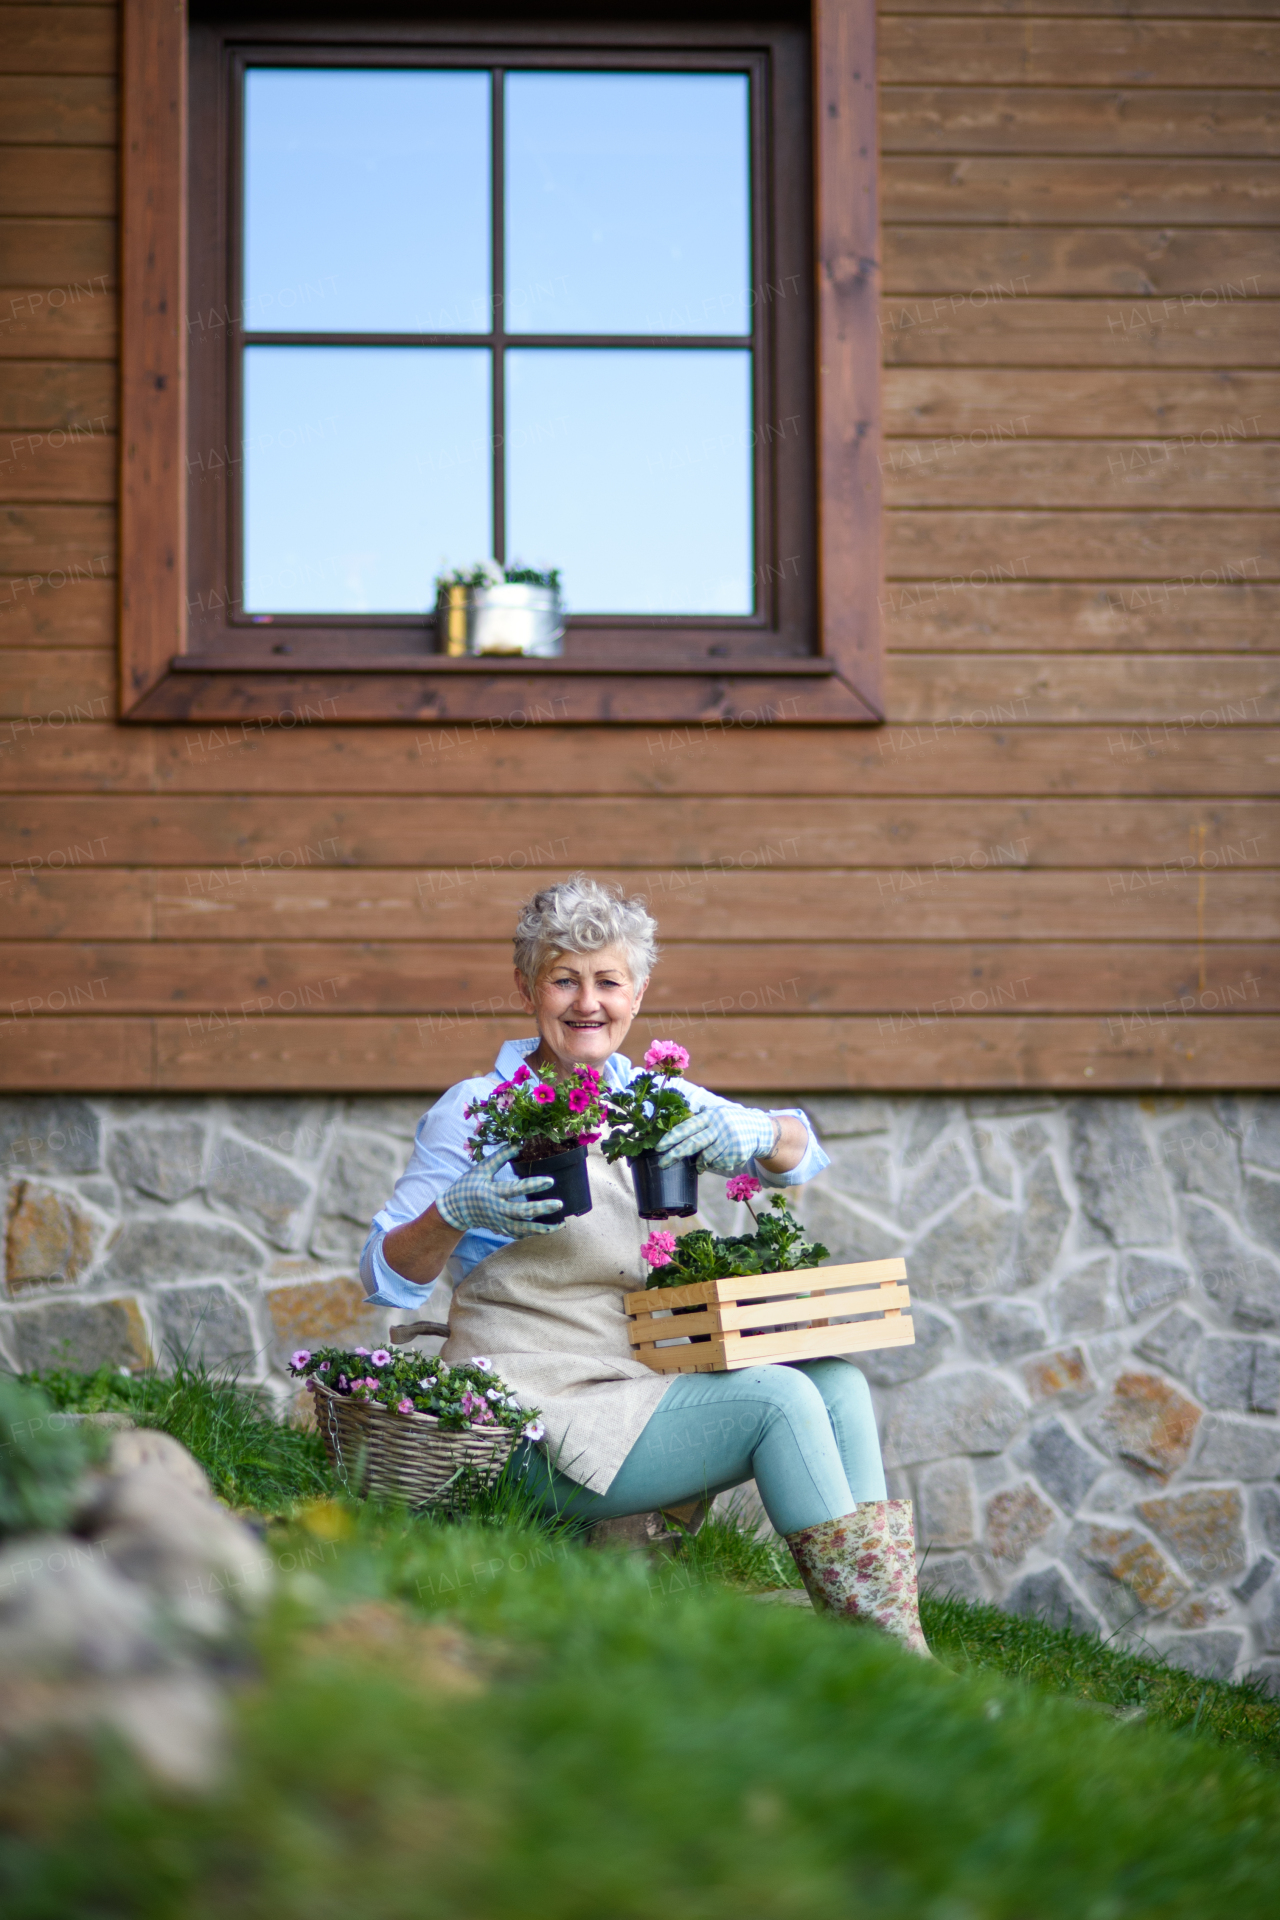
point(863, 1567)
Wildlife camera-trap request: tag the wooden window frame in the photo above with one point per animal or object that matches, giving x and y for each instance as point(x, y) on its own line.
point(163, 677)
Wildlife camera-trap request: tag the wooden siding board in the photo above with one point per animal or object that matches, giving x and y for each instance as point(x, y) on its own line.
point(89, 1055)
point(1229, 618)
point(1232, 900)
point(57, 180)
point(59, 39)
point(52, 540)
point(42, 394)
point(1102, 9)
point(1178, 122)
point(67, 109)
point(74, 756)
point(701, 983)
point(1191, 691)
point(1081, 545)
point(1121, 190)
point(76, 903)
point(1127, 262)
point(1124, 331)
point(75, 685)
point(69, 315)
point(748, 835)
point(381, 1055)
point(1032, 50)
point(1074, 403)
point(75, 613)
point(62, 464)
point(959, 758)
point(1157, 898)
point(1000, 465)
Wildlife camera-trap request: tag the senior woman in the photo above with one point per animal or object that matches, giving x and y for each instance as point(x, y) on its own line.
point(540, 1297)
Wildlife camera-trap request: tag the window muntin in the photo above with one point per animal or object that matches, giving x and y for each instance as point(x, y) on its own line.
point(630, 464)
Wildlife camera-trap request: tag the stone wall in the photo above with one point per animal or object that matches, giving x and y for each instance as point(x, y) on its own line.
point(1087, 1420)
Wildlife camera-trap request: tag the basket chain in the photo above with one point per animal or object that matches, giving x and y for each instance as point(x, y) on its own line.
point(335, 1434)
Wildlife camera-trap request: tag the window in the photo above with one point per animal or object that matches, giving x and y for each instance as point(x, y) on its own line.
point(541, 294)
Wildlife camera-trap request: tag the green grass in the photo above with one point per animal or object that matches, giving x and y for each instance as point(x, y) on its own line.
point(981, 1639)
point(642, 1745)
point(250, 1457)
point(643, 1739)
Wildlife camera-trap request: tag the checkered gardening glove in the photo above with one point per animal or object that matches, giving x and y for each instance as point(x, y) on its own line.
point(480, 1199)
point(722, 1138)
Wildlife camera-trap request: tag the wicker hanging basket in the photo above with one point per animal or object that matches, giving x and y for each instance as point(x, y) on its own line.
point(407, 1456)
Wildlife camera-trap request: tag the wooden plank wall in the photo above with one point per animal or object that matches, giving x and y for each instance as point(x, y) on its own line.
point(1054, 866)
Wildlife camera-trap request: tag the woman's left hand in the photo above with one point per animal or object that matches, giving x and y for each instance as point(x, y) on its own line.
point(722, 1139)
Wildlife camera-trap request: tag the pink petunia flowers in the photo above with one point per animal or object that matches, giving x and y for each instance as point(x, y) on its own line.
point(667, 1057)
point(543, 1095)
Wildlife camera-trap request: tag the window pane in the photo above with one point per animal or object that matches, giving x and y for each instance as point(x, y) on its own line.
point(627, 201)
point(366, 201)
point(631, 471)
point(365, 468)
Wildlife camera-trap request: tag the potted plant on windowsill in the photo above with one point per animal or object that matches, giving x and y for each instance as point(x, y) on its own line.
point(553, 1122)
point(643, 1114)
point(739, 1305)
point(494, 609)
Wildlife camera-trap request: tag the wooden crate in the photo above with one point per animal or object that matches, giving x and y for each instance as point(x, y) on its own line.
point(785, 1305)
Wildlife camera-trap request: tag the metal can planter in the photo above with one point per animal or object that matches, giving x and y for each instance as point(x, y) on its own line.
point(568, 1171)
point(500, 620)
point(663, 1191)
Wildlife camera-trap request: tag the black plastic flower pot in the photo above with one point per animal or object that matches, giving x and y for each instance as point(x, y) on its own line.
point(568, 1172)
point(663, 1191)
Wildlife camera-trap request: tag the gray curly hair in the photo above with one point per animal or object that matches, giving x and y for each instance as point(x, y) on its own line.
point(578, 915)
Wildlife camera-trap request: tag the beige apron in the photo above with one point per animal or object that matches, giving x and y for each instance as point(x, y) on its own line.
point(547, 1312)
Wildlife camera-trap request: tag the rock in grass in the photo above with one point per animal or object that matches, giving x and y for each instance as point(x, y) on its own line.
point(159, 1530)
point(82, 1647)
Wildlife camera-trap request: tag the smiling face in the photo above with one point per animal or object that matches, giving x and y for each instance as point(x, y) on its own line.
point(584, 1005)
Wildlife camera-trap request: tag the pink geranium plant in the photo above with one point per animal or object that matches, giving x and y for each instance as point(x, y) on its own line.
point(778, 1245)
point(644, 1113)
point(545, 1116)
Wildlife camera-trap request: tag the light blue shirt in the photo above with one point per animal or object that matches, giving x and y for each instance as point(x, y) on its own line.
point(440, 1156)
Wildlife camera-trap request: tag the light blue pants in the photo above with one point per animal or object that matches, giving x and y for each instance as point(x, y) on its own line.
point(807, 1434)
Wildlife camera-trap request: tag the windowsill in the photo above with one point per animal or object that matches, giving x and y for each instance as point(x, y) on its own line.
point(232, 660)
point(405, 689)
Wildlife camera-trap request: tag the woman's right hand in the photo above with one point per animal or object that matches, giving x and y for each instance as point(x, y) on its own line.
point(480, 1199)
